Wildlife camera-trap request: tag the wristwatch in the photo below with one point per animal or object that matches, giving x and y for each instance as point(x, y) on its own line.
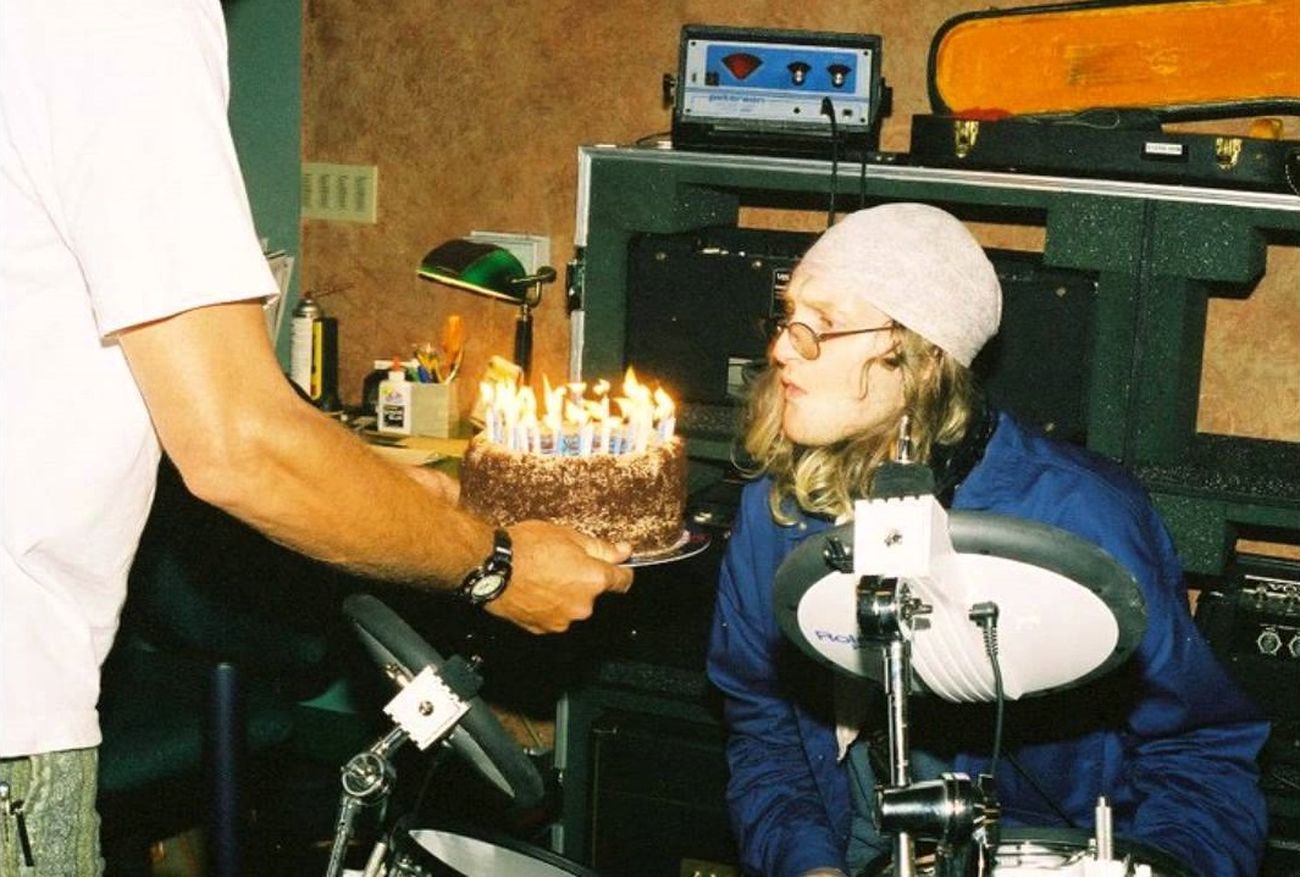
point(488, 580)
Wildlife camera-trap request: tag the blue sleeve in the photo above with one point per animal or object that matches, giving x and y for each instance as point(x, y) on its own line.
point(1193, 735)
point(778, 816)
point(1185, 778)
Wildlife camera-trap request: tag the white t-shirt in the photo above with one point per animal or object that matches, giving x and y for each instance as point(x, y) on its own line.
point(121, 203)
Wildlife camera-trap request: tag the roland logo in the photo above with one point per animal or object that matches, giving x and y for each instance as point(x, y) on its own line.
point(838, 638)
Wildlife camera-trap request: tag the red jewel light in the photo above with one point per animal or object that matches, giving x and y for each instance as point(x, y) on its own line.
point(741, 64)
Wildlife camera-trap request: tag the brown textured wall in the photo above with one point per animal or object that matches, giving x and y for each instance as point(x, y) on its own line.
point(473, 113)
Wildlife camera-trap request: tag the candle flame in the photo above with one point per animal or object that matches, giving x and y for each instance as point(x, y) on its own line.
point(645, 415)
point(575, 413)
point(663, 404)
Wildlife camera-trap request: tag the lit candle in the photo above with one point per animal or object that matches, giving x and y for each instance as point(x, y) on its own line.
point(485, 392)
point(666, 428)
point(569, 441)
point(576, 391)
point(564, 420)
point(509, 417)
point(664, 414)
point(551, 428)
point(522, 438)
point(553, 402)
point(614, 439)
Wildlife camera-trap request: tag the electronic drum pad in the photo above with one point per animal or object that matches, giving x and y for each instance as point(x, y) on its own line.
point(1068, 612)
point(479, 737)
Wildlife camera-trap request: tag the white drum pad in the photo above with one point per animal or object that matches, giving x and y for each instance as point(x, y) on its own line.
point(1068, 612)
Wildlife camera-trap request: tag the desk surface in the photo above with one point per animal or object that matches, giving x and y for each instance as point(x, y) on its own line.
point(416, 450)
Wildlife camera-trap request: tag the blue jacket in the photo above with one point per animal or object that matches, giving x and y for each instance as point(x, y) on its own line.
point(1168, 738)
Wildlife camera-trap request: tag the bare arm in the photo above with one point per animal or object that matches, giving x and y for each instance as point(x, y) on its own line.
point(243, 441)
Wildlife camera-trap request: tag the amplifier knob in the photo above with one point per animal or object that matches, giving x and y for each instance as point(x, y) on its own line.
point(1294, 646)
point(1268, 642)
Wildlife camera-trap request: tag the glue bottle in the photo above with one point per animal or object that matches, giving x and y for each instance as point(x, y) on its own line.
point(393, 407)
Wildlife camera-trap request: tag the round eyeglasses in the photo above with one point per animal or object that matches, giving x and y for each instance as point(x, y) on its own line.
point(807, 341)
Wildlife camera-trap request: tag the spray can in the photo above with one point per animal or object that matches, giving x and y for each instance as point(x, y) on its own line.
point(313, 353)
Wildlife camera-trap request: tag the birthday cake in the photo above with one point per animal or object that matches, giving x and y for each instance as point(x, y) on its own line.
point(621, 478)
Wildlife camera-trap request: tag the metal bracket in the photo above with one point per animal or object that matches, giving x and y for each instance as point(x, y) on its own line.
point(964, 134)
point(426, 709)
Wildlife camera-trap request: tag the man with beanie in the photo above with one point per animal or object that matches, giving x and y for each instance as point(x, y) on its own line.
point(882, 319)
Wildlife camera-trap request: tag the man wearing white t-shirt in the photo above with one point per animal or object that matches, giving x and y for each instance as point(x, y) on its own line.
point(129, 264)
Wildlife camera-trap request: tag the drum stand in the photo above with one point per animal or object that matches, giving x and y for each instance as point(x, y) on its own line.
point(960, 816)
point(956, 813)
point(906, 552)
point(367, 779)
point(426, 711)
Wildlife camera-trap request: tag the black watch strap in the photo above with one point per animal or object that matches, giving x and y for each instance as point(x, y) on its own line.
point(488, 580)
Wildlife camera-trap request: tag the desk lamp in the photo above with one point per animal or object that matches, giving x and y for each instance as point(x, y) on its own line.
point(492, 271)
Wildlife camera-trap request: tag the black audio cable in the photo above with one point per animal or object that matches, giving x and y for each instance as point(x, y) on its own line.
point(828, 110)
point(986, 616)
point(655, 137)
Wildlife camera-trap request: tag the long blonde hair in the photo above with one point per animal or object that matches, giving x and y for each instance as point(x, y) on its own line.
point(938, 392)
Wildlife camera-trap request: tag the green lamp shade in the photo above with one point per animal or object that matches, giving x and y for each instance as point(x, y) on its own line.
point(481, 268)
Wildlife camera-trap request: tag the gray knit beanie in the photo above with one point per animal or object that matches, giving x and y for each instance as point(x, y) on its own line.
point(920, 266)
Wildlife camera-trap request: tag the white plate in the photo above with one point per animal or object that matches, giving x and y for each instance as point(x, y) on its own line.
point(691, 543)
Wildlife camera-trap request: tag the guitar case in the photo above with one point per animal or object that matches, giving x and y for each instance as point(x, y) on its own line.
point(1090, 88)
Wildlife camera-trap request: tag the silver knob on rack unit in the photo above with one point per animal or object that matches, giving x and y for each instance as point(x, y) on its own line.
point(1268, 642)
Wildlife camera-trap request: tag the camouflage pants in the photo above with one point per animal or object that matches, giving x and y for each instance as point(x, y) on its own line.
point(57, 791)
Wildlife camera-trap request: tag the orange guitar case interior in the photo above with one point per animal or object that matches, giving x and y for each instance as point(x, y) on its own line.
point(1183, 59)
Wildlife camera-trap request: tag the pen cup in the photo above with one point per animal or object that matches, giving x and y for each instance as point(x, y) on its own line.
point(435, 413)
point(410, 408)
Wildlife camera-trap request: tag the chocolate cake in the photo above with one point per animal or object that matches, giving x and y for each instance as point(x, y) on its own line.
point(636, 497)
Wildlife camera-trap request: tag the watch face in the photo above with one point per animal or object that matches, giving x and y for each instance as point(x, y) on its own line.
point(487, 585)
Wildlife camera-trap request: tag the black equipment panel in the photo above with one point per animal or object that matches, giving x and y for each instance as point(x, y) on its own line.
point(1253, 625)
point(696, 304)
point(648, 821)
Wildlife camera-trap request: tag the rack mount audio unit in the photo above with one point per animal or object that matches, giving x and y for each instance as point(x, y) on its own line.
point(778, 92)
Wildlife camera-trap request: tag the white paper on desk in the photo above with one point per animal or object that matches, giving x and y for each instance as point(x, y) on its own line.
point(407, 456)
